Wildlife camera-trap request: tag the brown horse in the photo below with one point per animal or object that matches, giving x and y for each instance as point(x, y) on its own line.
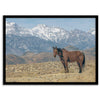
point(70, 56)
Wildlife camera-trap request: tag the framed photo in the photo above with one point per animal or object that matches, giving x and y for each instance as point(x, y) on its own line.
point(50, 50)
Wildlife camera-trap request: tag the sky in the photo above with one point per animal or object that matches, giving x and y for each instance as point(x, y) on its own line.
point(84, 24)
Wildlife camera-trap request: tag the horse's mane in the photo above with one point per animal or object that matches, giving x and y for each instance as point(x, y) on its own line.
point(60, 50)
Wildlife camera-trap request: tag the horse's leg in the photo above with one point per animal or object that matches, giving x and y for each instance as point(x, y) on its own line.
point(66, 67)
point(80, 66)
point(63, 65)
point(80, 63)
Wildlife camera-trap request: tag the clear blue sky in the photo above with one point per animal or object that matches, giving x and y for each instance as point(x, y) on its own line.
point(84, 24)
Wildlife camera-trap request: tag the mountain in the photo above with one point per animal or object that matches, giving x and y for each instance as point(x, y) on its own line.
point(50, 33)
point(18, 45)
point(41, 38)
point(14, 29)
point(42, 31)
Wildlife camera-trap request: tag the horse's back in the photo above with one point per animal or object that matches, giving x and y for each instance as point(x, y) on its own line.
point(72, 55)
point(73, 52)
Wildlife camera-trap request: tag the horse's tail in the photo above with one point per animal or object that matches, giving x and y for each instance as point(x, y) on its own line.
point(83, 64)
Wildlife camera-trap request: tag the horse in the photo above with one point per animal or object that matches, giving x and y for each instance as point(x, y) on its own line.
point(70, 56)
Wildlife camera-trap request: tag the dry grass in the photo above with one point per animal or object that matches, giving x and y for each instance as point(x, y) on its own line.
point(49, 72)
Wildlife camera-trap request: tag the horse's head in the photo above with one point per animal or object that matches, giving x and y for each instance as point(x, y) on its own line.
point(55, 51)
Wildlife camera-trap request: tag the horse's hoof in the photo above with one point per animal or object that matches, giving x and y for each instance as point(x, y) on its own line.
point(66, 71)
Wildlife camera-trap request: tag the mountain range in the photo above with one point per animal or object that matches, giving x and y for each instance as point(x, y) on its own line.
point(42, 37)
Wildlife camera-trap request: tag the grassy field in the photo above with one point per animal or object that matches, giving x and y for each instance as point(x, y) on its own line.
point(50, 72)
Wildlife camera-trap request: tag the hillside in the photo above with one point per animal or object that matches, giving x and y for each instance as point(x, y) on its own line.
point(13, 59)
point(49, 72)
point(30, 57)
point(90, 53)
point(71, 48)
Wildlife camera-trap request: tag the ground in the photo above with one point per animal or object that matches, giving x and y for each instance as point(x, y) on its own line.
point(50, 72)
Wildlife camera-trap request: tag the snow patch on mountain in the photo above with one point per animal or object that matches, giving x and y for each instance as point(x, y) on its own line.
point(92, 31)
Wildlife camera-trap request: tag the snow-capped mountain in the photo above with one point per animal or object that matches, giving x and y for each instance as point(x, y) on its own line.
point(13, 28)
point(50, 33)
point(41, 31)
point(41, 38)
